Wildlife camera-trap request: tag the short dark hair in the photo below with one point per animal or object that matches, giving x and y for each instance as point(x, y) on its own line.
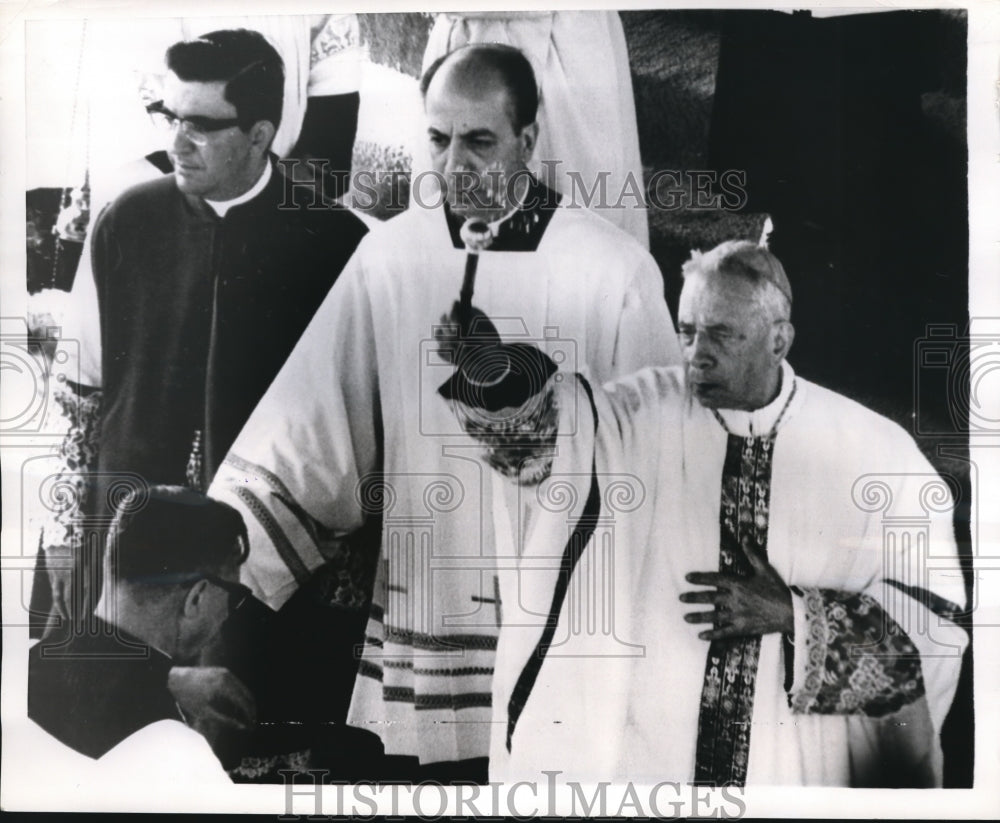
point(165, 535)
point(245, 61)
point(509, 64)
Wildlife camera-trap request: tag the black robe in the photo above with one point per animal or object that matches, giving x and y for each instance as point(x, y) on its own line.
point(99, 688)
point(198, 314)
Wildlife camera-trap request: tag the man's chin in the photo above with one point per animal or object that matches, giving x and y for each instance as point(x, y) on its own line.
point(476, 211)
point(187, 182)
point(707, 394)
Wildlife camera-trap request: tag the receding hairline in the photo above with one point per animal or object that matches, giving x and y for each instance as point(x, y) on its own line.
point(475, 67)
point(485, 77)
point(470, 76)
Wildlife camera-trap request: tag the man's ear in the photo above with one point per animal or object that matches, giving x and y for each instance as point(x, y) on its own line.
point(194, 600)
point(262, 134)
point(529, 139)
point(781, 341)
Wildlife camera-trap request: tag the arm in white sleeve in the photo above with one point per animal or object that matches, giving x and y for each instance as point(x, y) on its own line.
point(893, 650)
point(296, 469)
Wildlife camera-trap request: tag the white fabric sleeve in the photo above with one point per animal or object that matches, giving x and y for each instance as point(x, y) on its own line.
point(936, 592)
point(631, 407)
point(911, 605)
point(295, 470)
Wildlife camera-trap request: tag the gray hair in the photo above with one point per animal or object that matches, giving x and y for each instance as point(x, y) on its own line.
point(744, 258)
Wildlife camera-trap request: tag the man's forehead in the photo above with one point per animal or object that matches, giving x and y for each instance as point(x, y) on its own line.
point(718, 299)
point(455, 101)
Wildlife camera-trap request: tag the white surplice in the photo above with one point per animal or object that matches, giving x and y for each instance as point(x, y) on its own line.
point(358, 399)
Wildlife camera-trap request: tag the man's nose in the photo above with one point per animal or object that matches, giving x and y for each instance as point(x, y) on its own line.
point(180, 143)
point(698, 352)
point(457, 158)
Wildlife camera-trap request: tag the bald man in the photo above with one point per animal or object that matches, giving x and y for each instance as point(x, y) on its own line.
point(586, 115)
point(354, 427)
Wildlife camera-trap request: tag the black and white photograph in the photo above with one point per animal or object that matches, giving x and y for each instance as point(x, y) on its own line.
point(551, 411)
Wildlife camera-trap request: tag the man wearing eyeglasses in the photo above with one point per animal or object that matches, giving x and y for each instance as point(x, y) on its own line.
point(200, 284)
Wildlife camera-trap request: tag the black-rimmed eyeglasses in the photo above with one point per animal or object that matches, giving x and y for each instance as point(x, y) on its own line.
point(196, 128)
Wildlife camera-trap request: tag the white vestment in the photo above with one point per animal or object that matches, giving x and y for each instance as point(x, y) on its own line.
point(853, 503)
point(586, 113)
point(153, 765)
point(358, 401)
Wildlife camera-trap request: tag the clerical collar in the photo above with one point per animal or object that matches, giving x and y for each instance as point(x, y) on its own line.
point(220, 207)
point(522, 229)
point(762, 421)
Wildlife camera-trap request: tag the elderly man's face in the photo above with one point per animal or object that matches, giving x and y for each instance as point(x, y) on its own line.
point(728, 343)
point(473, 142)
point(227, 165)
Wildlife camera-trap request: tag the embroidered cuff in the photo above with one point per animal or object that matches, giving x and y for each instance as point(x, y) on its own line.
point(851, 657)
